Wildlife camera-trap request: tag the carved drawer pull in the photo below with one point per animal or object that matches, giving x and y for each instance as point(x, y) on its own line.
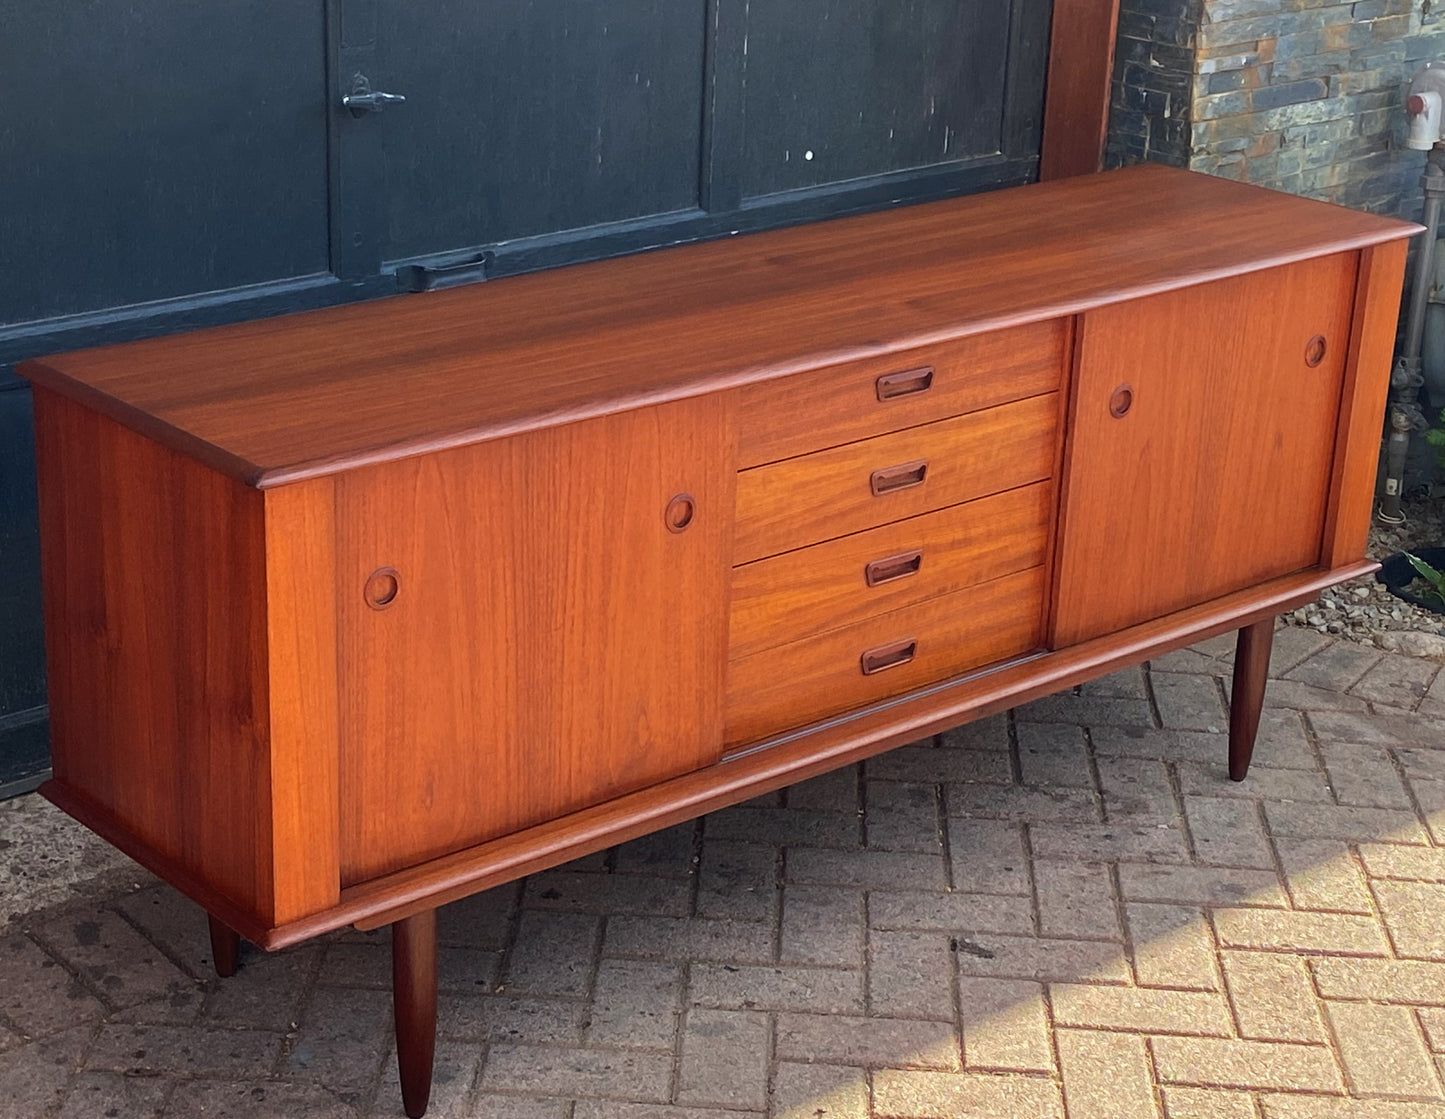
point(892, 385)
point(382, 587)
point(1121, 401)
point(680, 512)
point(1315, 350)
point(893, 567)
point(901, 477)
point(888, 656)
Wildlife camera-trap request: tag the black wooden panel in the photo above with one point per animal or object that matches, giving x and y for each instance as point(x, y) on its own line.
point(22, 650)
point(843, 89)
point(159, 149)
point(526, 117)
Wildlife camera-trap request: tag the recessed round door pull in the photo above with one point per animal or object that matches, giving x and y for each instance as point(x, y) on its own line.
point(1315, 350)
point(382, 587)
point(1121, 401)
point(680, 512)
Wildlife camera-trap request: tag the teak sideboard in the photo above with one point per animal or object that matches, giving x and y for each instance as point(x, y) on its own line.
point(356, 612)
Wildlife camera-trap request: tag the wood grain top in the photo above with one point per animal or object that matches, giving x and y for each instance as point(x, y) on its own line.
point(282, 399)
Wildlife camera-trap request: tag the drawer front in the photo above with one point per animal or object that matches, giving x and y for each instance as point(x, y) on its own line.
point(845, 403)
point(832, 493)
point(813, 590)
point(796, 684)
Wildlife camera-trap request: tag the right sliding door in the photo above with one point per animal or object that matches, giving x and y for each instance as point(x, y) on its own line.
point(1201, 443)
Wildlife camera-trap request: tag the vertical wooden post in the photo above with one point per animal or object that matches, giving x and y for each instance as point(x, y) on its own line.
point(225, 948)
point(1251, 670)
point(414, 1005)
point(1076, 98)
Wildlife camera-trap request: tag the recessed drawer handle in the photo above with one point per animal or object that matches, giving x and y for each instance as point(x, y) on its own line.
point(893, 567)
point(892, 385)
point(888, 656)
point(892, 478)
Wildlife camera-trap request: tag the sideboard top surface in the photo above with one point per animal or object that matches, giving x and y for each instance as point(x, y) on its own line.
point(287, 398)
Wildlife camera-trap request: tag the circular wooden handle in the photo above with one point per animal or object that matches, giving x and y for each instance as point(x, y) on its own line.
point(680, 512)
point(1315, 350)
point(382, 587)
point(1121, 401)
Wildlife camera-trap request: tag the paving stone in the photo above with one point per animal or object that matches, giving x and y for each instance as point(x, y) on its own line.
point(1228, 832)
point(1364, 775)
point(266, 992)
point(1414, 914)
point(812, 1091)
point(1335, 667)
point(1076, 899)
point(1208, 1103)
point(116, 961)
point(724, 1059)
point(1414, 981)
point(1137, 787)
point(454, 1073)
point(903, 817)
point(988, 856)
point(1209, 886)
point(685, 938)
point(344, 1037)
point(835, 791)
point(1109, 842)
point(1090, 711)
point(1321, 874)
point(1354, 825)
point(1421, 764)
point(1433, 1023)
point(1137, 1010)
point(1017, 802)
point(177, 924)
point(534, 1021)
point(822, 925)
point(950, 912)
point(481, 920)
point(1272, 997)
point(1214, 1062)
point(1054, 755)
point(1005, 1024)
point(910, 975)
point(94, 1094)
point(607, 893)
point(459, 970)
point(620, 1109)
point(813, 989)
point(1314, 1107)
point(186, 1050)
point(1382, 1050)
point(1127, 683)
point(1397, 680)
point(33, 1077)
point(1190, 660)
point(1391, 730)
point(1019, 957)
point(669, 853)
point(1292, 645)
point(1431, 797)
point(1189, 702)
point(738, 880)
point(899, 1094)
point(991, 733)
point(784, 826)
point(938, 765)
point(1106, 1076)
point(885, 870)
point(38, 995)
point(838, 1039)
point(1172, 946)
point(635, 1004)
point(1389, 860)
point(1263, 783)
point(571, 1072)
point(1297, 696)
point(1280, 744)
point(552, 955)
point(1276, 930)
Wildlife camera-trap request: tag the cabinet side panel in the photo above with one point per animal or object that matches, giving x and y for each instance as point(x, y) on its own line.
point(551, 644)
point(153, 570)
point(301, 626)
point(1362, 409)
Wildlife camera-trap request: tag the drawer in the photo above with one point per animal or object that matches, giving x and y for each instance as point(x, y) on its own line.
point(796, 684)
point(812, 590)
point(832, 493)
point(845, 403)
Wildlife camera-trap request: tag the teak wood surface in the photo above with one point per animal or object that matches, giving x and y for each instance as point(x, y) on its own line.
point(317, 393)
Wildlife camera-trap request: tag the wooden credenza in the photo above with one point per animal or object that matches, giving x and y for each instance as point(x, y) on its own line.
point(356, 612)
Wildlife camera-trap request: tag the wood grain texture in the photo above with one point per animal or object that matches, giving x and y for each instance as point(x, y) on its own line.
point(813, 590)
point(156, 630)
point(414, 1006)
point(817, 497)
point(1362, 405)
point(1218, 475)
point(552, 644)
point(274, 401)
point(1080, 81)
point(1246, 698)
point(841, 402)
point(807, 680)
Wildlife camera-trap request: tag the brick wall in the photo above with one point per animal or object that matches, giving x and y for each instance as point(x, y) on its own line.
point(1299, 95)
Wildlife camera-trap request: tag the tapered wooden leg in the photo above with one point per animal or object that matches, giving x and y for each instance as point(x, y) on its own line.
point(414, 1003)
point(1251, 669)
point(225, 948)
